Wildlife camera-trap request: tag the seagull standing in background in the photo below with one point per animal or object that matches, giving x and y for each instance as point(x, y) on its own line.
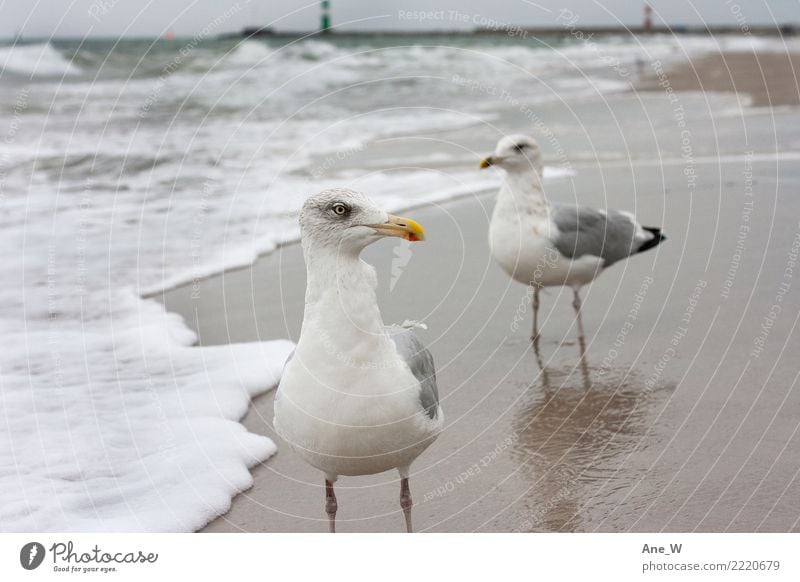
point(552, 245)
point(356, 397)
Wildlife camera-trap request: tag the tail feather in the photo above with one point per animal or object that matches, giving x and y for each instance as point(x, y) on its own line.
point(657, 239)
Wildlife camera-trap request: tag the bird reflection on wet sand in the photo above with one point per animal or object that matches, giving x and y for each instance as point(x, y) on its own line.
point(582, 361)
point(576, 434)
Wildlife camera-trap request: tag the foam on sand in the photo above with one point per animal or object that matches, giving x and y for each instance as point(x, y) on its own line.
point(117, 424)
point(110, 419)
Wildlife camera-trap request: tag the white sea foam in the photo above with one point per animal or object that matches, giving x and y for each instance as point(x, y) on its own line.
point(111, 420)
point(36, 60)
point(118, 425)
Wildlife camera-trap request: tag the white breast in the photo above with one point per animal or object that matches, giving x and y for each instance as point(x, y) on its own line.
point(350, 406)
point(520, 240)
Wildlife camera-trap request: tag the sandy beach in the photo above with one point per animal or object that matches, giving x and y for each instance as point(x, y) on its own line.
point(770, 79)
point(685, 415)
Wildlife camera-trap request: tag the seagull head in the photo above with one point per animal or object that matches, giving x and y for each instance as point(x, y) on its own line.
point(349, 221)
point(515, 153)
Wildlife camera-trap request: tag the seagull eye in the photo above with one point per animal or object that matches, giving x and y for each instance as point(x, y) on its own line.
point(340, 209)
point(520, 146)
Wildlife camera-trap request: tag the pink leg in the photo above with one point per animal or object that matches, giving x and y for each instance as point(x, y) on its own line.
point(535, 335)
point(405, 502)
point(330, 506)
point(576, 303)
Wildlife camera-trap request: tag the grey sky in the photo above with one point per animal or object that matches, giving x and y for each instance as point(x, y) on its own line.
point(45, 18)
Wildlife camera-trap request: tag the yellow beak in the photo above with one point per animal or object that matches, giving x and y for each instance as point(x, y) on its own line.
point(405, 228)
point(486, 162)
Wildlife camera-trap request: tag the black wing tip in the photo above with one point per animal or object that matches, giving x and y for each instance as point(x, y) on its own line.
point(658, 238)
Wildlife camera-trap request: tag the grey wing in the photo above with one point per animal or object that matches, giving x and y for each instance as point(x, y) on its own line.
point(420, 361)
point(610, 235)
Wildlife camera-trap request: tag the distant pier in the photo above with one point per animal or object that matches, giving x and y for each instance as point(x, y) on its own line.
point(519, 31)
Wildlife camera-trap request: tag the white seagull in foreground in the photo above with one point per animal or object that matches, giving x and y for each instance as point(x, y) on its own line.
point(542, 244)
point(356, 397)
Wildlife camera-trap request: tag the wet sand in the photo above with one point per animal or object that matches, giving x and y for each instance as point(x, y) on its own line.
point(683, 417)
point(770, 79)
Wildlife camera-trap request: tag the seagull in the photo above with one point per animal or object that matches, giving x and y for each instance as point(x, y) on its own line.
point(554, 245)
point(356, 397)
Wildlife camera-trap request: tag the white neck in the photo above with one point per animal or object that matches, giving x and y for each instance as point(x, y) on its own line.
point(522, 193)
point(341, 311)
